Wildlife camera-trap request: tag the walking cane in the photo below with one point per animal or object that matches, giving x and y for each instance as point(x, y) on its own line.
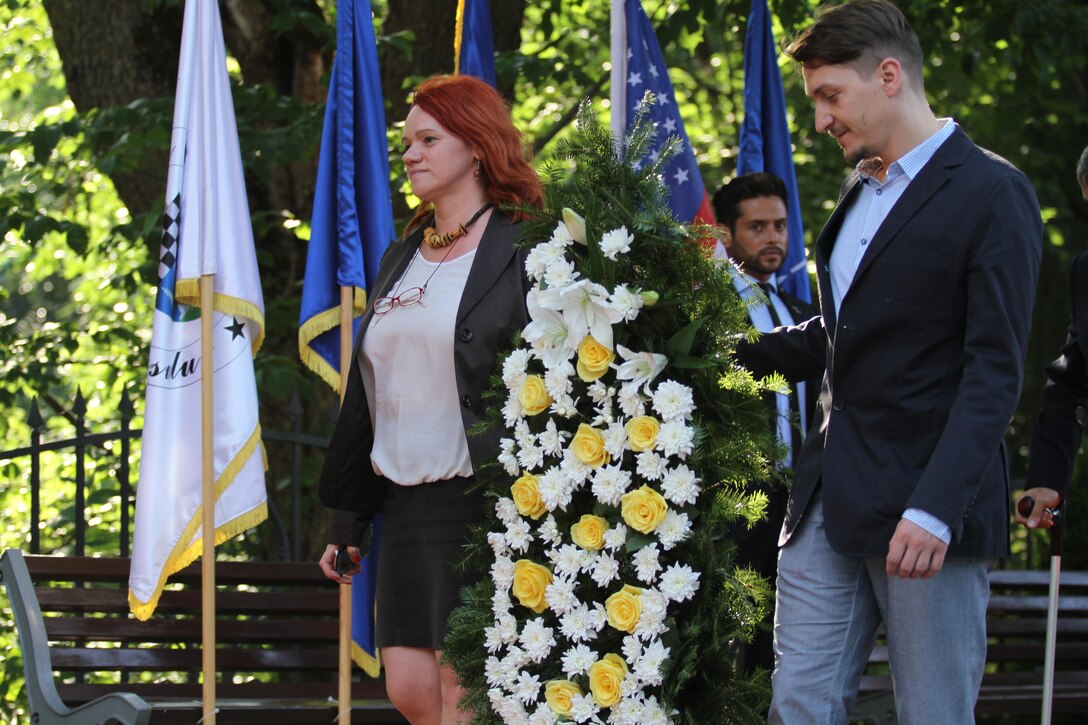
point(1024, 506)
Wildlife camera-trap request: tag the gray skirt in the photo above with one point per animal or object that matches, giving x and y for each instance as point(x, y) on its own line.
point(424, 529)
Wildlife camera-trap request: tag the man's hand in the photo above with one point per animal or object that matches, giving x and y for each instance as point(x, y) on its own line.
point(914, 553)
point(1044, 498)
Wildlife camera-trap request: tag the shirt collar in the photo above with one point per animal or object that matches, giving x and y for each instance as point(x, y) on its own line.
point(912, 162)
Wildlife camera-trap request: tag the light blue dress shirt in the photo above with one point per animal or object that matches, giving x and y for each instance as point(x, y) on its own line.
point(872, 205)
point(761, 320)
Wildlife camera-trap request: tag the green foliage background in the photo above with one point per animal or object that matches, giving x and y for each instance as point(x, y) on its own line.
point(77, 266)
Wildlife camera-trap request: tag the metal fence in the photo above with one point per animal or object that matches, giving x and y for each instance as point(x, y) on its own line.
point(115, 449)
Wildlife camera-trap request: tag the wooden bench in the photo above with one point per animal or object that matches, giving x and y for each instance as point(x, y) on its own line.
point(1016, 635)
point(276, 632)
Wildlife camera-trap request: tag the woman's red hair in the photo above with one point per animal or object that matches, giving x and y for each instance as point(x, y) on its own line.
point(474, 112)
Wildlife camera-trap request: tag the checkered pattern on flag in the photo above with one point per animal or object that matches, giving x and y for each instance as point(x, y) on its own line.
point(646, 71)
point(206, 231)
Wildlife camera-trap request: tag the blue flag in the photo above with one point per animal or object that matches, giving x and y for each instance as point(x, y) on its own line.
point(646, 71)
point(472, 44)
point(352, 226)
point(353, 212)
point(765, 138)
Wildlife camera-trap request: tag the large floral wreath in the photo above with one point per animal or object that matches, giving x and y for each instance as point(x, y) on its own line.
point(610, 594)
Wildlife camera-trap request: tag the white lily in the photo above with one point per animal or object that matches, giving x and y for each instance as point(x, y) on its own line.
point(548, 331)
point(639, 367)
point(586, 309)
point(575, 224)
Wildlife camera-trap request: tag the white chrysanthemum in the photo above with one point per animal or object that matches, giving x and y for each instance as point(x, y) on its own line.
point(679, 583)
point(631, 648)
point(673, 529)
point(650, 465)
point(650, 665)
point(506, 510)
point(673, 401)
point(502, 572)
point(626, 712)
point(492, 639)
point(610, 483)
point(552, 440)
point(560, 595)
point(653, 713)
point(501, 604)
point(606, 569)
point(574, 470)
point(631, 401)
point(647, 563)
point(616, 537)
point(577, 659)
point(515, 659)
point(583, 709)
point(676, 438)
point(548, 532)
point(512, 711)
point(651, 622)
point(512, 411)
point(579, 624)
point(639, 368)
point(514, 369)
point(615, 439)
point(626, 302)
point(508, 457)
point(561, 235)
point(508, 628)
point(598, 392)
point(543, 715)
point(680, 486)
point(519, 535)
point(569, 560)
point(557, 380)
point(598, 616)
point(497, 542)
point(564, 407)
point(537, 640)
point(541, 257)
point(547, 331)
point(602, 417)
point(531, 458)
point(523, 434)
point(561, 274)
point(555, 489)
point(615, 242)
point(494, 672)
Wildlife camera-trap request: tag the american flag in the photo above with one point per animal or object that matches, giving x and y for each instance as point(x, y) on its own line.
point(646, 71)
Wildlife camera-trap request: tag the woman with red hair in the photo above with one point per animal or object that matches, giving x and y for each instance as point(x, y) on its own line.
point(448, 299)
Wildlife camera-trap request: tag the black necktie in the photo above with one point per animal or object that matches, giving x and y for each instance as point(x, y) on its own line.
point(768, 289)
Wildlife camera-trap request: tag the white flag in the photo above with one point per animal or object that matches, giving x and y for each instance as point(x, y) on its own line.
point(206, 231)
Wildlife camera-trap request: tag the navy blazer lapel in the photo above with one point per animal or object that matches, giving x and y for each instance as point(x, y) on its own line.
point(825, 243)
point(493, 254)
point(921, 188)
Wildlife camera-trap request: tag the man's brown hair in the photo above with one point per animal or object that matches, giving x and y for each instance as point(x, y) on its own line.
point(860, 33)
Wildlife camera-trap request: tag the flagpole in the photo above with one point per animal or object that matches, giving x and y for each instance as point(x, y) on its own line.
point(207, 448)
point(618, 91)
point(346, 312)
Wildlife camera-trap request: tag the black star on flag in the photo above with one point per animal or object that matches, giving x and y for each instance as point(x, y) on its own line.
point(237, 329)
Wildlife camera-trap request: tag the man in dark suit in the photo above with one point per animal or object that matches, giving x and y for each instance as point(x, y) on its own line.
point(927, 271)
point(752, 211)
point(1064, 411)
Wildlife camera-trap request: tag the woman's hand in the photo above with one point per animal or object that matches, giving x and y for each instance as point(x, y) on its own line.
point(327, 562)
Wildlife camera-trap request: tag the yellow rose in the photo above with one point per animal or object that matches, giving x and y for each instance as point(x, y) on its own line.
point(642, 433)
point(593, 359)
point(588, 447)
point(534, 396)
point(588, 533)
point(526, 495)
point(530, 581)
point(558, 694)
point(624, 608)
point(643, 509)
point(605, 677)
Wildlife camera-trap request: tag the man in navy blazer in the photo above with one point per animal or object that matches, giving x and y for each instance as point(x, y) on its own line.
point(927, 271)
point(1064, 411)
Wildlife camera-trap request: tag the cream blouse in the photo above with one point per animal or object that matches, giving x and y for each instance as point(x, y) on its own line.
point(409, 378)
